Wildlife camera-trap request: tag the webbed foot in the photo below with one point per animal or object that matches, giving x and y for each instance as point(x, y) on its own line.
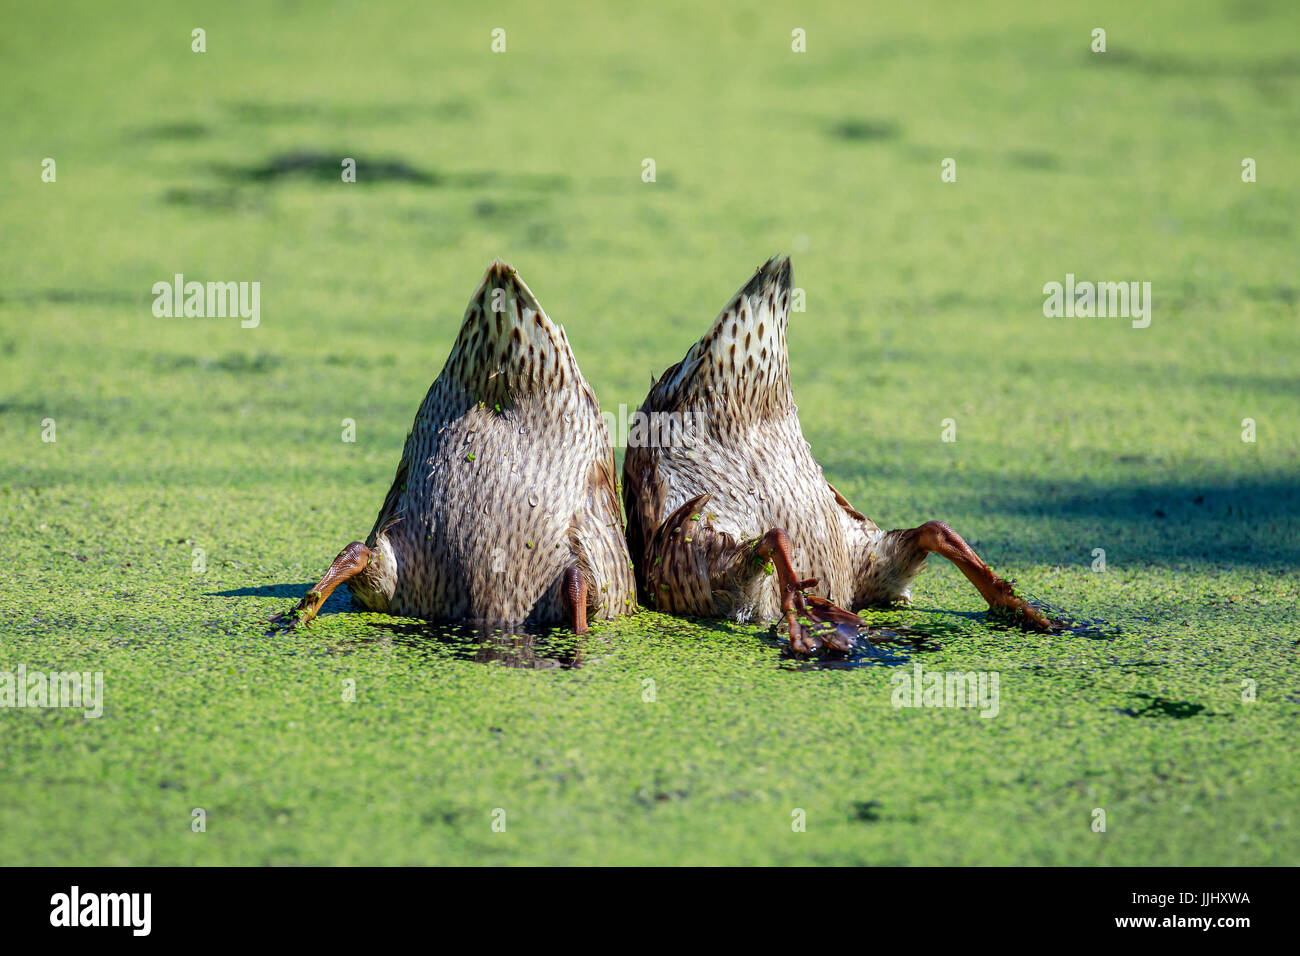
point(830, 626)
point(1012, 607)
point(937, 538)
point(350, 562)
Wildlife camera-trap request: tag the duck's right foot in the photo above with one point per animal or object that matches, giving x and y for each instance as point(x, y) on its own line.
point(936, 537)
point(1013, 607)
point(349, 563)
point(575, 599)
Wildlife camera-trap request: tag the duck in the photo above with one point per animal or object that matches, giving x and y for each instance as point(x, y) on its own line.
point(733, 518)
point(504, 507)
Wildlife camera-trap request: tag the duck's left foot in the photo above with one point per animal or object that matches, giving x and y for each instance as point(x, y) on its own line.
point(830, 626)
point(349, 563)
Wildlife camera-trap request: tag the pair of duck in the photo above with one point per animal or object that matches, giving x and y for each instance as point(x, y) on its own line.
point(505, 506)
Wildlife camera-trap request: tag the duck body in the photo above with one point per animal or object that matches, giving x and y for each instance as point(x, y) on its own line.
point(719, 522)
point(746, 468)
point(494, 507)
point(504, 505)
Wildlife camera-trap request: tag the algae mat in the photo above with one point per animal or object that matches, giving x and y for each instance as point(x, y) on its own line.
point(167, 482)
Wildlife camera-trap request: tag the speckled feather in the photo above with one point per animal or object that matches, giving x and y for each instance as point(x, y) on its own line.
point(696, 507)
point(506, 480)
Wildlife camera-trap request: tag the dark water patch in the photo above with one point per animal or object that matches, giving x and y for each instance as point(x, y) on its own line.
point(88, 297)
point(1177, 65)
point(509, 210)
point(863, 654)
point(25, 408)
point(650, 796)
point(525, 646)
point(1116, 662)
point(325, 166)
point(1286, 294)
point(946, 301)
point(238, 363)
point(169, 132)
point(868, 811)
point(208, 198)
point(1034, 159)
point(485, 178)
point(1161, 707)
point(361, 361)
point(544, 235)
point(243, 364)
point(1063, 622)
point(328, 167)
point(247, 111)
point(278, 114)
point(100, 297)
point(878, 645)
point(865, 130)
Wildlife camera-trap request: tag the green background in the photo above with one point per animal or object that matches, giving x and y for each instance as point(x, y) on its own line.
point(924, 302)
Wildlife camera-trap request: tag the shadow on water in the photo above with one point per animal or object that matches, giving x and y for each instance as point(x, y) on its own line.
point(864, 130)
point(1172, 64)
point(543, 647)
point(530, 646)
point(1063, 621)
point(1034, 159)
point(1066, 623)
point(1164, 707)
point(336, 603)
point(70, 296)
point(225, 199)
point(884, 644)
point(1243, 521)
point(170, 132)
point(255, 113)
point(867, 810)
point(1220, 519)
point(325, 166)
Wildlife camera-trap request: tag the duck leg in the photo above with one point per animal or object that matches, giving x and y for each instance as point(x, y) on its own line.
point(350, 562)
point(935, 537)
point(839, 627)
point(575, 598)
